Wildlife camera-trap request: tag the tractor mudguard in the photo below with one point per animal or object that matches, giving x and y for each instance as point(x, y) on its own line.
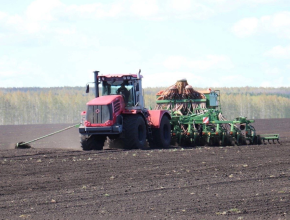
point(155, 117)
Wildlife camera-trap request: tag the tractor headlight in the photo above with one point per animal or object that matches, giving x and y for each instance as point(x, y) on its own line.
point(124, 77)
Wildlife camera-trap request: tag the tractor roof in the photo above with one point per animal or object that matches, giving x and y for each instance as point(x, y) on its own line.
point(120, 75)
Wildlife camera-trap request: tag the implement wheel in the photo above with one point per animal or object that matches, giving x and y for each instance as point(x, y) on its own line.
point(134, 132)
point(93, 142)
point(257, 140)
point(161, 136)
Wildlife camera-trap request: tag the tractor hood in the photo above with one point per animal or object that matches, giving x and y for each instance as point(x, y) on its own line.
point(105, 100)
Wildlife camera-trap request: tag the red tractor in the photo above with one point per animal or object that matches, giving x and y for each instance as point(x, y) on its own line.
point(120, 117)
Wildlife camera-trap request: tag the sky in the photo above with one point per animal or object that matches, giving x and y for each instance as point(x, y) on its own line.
point(211, 43)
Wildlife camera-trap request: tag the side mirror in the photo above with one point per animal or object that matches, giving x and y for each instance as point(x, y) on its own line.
point(88, 88)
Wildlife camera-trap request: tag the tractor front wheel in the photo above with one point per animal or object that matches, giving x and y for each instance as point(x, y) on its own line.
point(93, 142)
point(134, 132)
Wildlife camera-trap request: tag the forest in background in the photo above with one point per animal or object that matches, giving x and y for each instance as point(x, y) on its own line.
point(64, 104)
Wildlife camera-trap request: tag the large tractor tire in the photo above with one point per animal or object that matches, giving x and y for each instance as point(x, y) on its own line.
point(93, 142)
point(162, 135)
point(134, 132)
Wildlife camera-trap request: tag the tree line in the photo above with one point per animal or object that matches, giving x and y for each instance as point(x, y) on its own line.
point(64, 104)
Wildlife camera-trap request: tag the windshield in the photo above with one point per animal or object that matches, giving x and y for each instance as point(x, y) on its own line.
point(120, 88)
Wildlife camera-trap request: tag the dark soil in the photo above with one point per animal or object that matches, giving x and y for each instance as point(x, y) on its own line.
point(56, 180)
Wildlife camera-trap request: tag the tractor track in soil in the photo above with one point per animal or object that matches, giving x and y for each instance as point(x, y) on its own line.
point(56, 180)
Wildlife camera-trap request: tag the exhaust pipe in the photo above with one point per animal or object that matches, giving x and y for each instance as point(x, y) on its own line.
point(96, 84)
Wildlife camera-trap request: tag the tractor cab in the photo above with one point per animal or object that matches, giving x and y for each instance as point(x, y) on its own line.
point(127, 86)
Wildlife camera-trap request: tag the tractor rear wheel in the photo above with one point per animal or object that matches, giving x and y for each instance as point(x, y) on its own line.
point(162, 135)
point(93, 142)
point(134, 132)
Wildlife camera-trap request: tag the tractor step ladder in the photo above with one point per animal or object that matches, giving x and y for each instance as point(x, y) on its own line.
point(149, 129)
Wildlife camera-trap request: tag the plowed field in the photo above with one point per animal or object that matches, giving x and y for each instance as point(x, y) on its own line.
point(56, 180)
